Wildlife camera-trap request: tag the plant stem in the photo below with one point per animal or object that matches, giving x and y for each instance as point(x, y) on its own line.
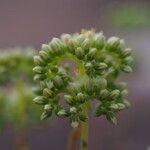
point(84, 130)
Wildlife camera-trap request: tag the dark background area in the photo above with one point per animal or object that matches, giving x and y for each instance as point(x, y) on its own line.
point(31, 23)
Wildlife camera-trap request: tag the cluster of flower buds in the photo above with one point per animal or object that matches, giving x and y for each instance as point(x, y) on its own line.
point(17, 62)
point(99, 62)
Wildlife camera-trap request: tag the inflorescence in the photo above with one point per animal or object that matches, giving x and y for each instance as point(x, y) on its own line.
point(98, 65)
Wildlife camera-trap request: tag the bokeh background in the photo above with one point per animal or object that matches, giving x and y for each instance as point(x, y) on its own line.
point(33, 22)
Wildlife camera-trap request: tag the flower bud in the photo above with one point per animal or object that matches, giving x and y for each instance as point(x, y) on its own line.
point(114, 94)
point(124, 93)
point(74, 124)
point(113, 43)
point(102, 66)
point(79, 52)
point(122, 85)
point(126, 103)
point(114, 106)
point(65, 38)
point(88, 66)
point(128, 60)
point(44, 55)
point(38, 69)
point(46, 114)
point(72, 45)
point(104, 93)
point(100, 40)
point(56, 45)
point(47, 92)
point(86, 44)
point(127, 69)
point(58, 82)
point(121, 106)
point(48, 107)
point(92, 53)
point(62, 113)
point(73, 110)
point(126, 52)
point(46, 48)
point(68, 99)
point(40, 100)
point(80, 97)
point(38, 60)
point(39, 77)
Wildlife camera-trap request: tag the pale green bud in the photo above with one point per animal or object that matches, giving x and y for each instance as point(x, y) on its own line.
point(114, 94)
point(100, 40)
point(113, 42)
point(92, 53)
point(128, 60)
point(114, 106)
point(126, 103)
point(62, 113)
point(38, 69)
point(38, 60)
point(46, 114)
point(86, 44)
point(56, 45)
point(48, 107)
point(74, 124)
point(124, 92)
point(68, 99)
point(122, 85)
point(73, 110)
point(102, 66)
point(58, 81)
point(88, 65)
point(104, 93)
point(127, 69)
point(40, 100)
point(44, 55)
point(72, 45)
point(39, 77)
point(113, 120)
point(47, 92)
point(81, 97)
point(65, 38)
point(79, 52)
point(121, 106)
point(126, 52)
point(46, 48)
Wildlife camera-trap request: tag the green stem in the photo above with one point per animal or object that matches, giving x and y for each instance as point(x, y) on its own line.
point(84, 130)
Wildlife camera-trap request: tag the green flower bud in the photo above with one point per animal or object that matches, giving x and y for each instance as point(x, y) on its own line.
point(126, 52)
point(74, 124)
point(104, 93)
point(44, 55)
point(56, 45)
point(126, 103)
point(127, 69)
point(46, 114)
point(88, 65)
point(65, 38)
point(40, 100)
point(122, 85)
point(102, 83)
point(92, 53)
point(38, 60)
point(113, 120)
point(72, 45)
point(62, 113)
point(68, 99)
point(114, 94)
point(39, 77)
point(79, 52)
point(39, 69)
point(100, 40)
point(86, 44)
point(46, 48)
point(81, 97)
point(121, 106)
point(47, 92)
point(102, 66)
point(58, 82)
point(48, 107)
point(114, 106)
point(128, 60)
point(73, 110)
point(124, 92)
point(113, 43)
point(111, 117)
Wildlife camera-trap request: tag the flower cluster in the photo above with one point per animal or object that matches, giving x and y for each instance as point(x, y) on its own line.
point(99, 62)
